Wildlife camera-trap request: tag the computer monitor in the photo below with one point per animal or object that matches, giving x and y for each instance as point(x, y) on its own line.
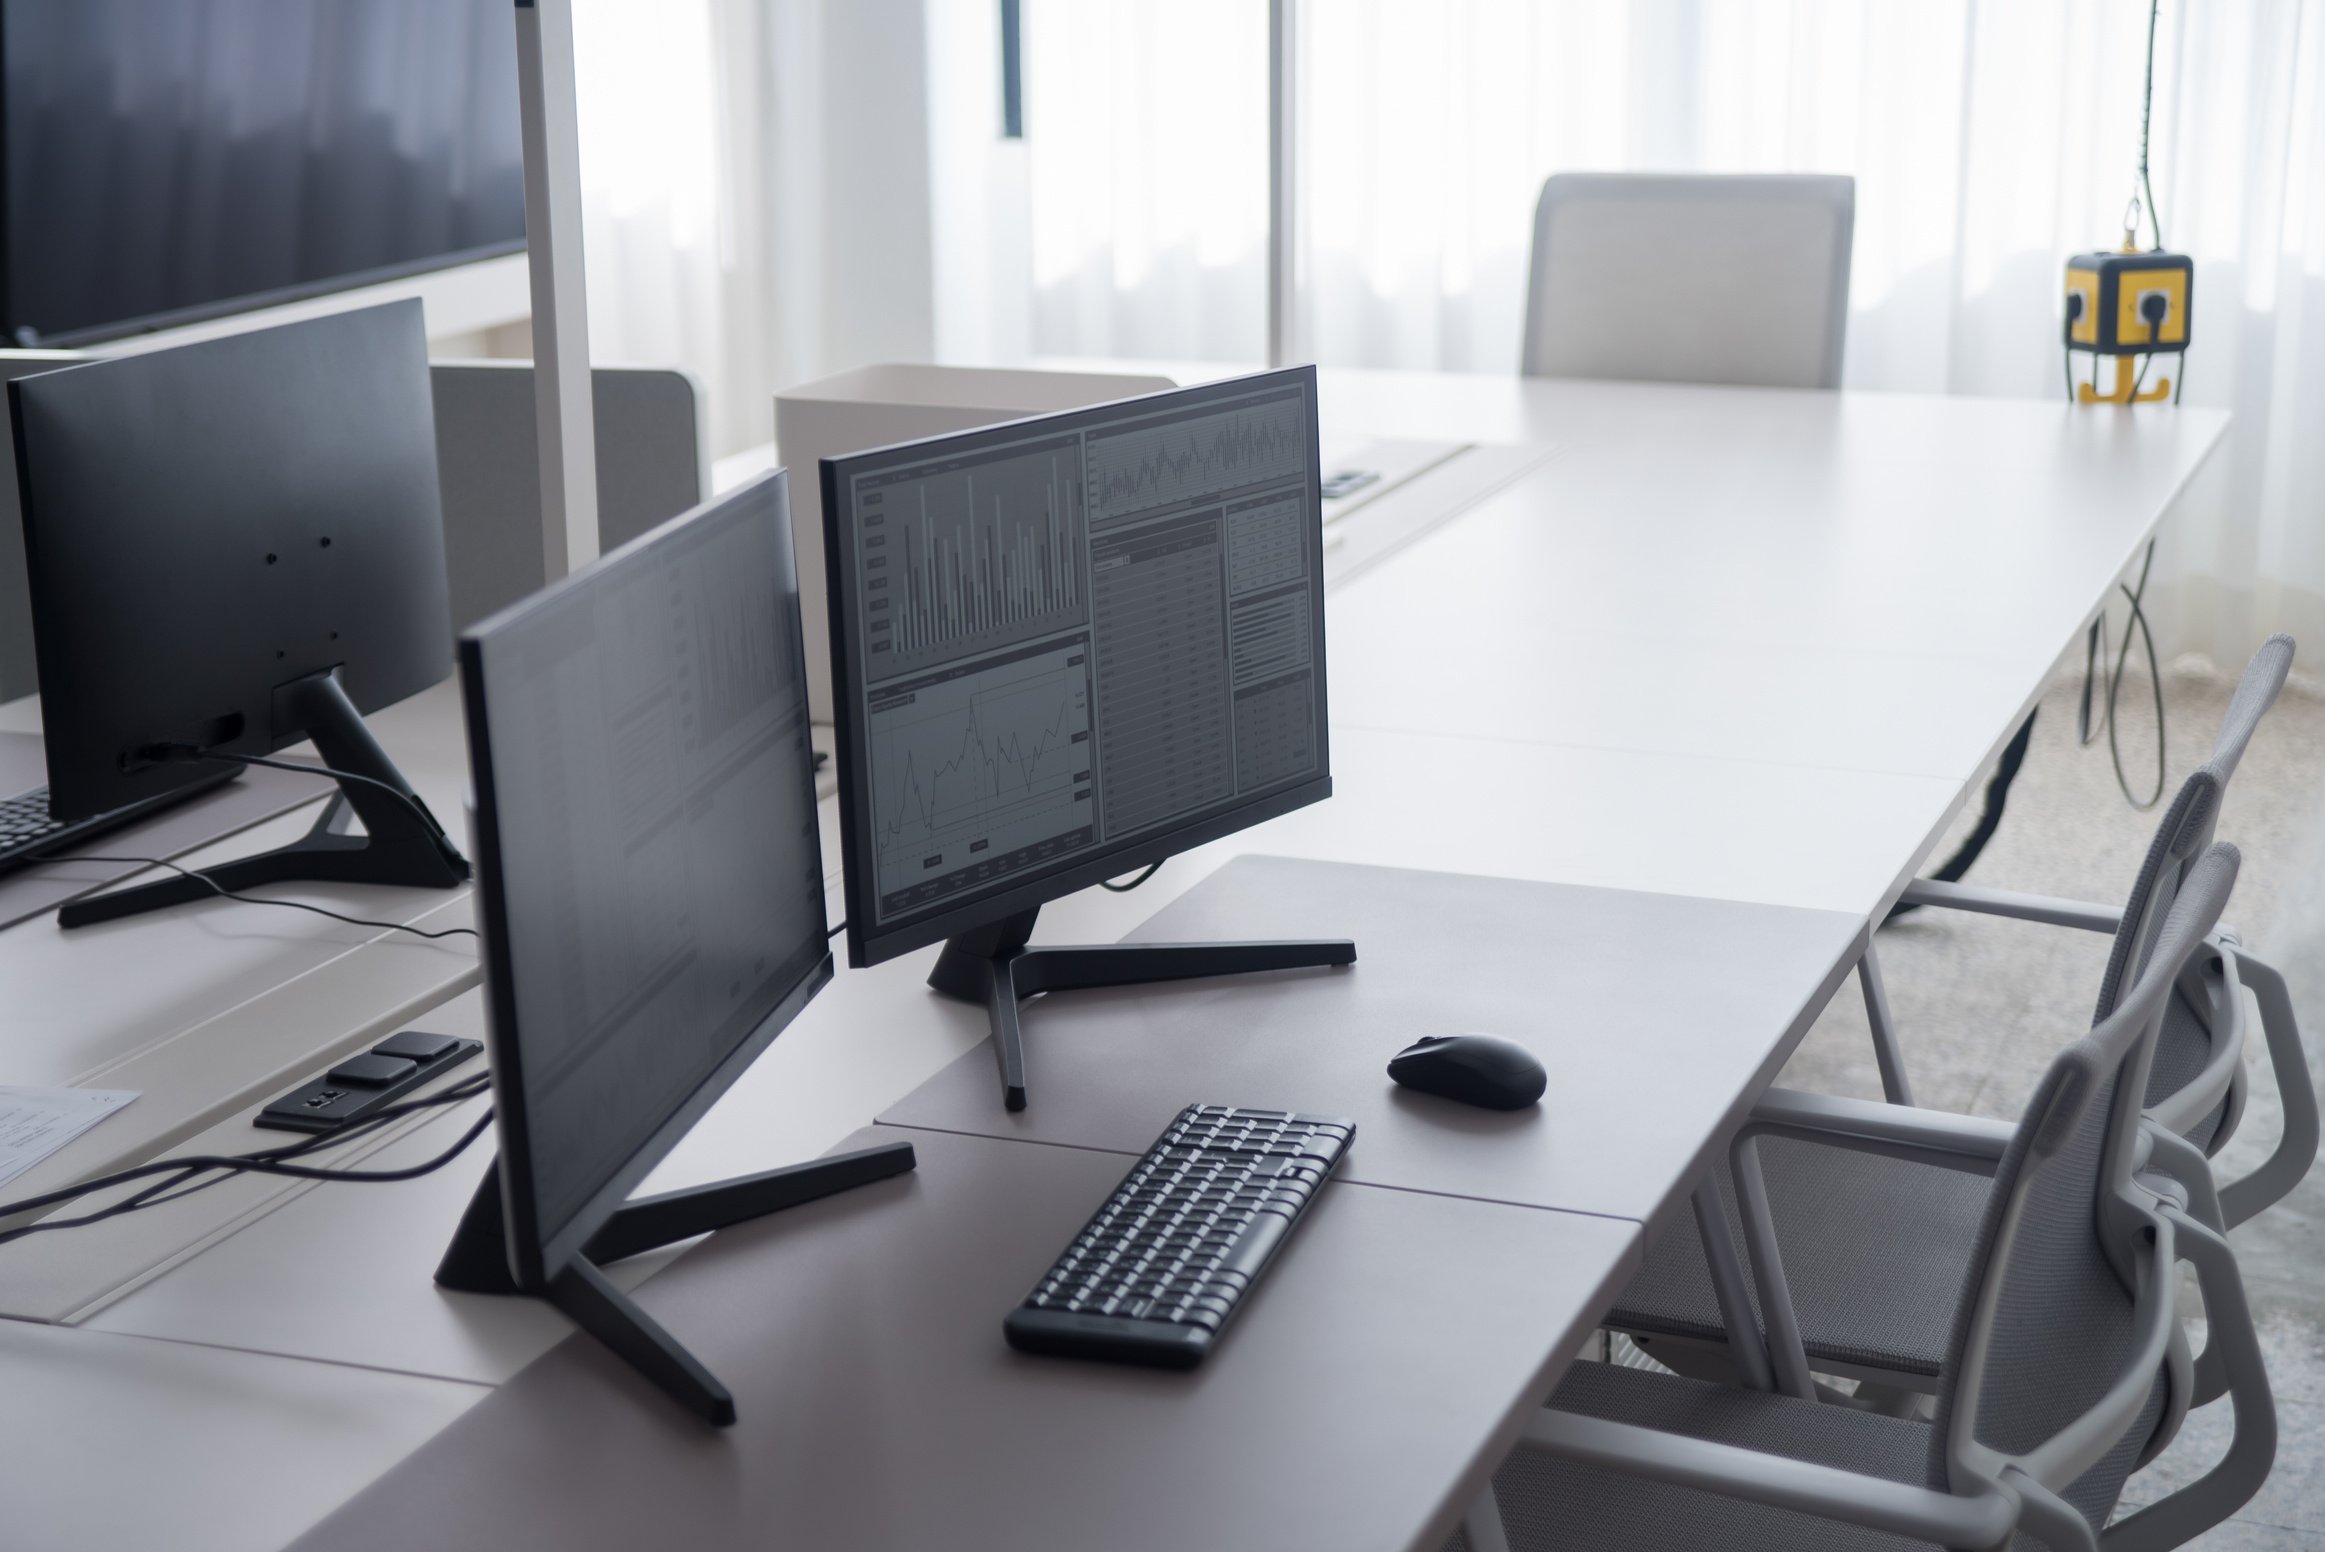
point(232, 546)
point(1066, 648)
point(651, 891)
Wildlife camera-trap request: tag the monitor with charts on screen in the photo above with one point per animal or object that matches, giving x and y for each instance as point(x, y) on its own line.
point(1067, 648)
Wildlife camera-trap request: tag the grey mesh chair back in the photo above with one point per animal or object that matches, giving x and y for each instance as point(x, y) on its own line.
point(2188, 825)
point(1691, 279)
point(2062, 1364)
point(651, 466)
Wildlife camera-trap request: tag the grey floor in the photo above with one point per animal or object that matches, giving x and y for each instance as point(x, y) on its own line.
point(1982, 1005)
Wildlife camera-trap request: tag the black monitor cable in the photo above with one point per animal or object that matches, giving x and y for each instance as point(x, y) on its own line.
point(186, 1173)
point(2095, 664)
point(1141, 877)
point(188, 753)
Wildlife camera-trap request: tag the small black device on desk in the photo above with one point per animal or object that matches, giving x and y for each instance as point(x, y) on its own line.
point(366, 1082)
point(1166, 1261)
point(1473, 1069)
point(29, 831)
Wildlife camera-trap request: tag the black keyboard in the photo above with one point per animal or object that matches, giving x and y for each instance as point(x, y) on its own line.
point(28, 829)
point(1154, 1276)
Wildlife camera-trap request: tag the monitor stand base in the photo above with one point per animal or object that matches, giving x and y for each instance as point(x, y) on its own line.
point(401, 843)
point(993, 966)
point(478, 1259)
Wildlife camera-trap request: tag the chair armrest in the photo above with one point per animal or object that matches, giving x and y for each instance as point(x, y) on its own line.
point(1904, 1127)
point(2296, 1147)
point(1776, 1480)
point(2007, 902)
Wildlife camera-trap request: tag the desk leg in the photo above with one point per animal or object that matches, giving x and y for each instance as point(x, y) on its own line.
point(1481, 1527)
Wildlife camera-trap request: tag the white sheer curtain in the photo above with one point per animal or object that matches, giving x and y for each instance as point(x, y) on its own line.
point(1149, 208)
point(1989, 139)
point(755, 192)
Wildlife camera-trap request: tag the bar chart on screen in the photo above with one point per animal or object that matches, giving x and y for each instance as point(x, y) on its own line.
point(973, 557)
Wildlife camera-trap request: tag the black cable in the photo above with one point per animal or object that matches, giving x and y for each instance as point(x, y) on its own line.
point(182, 751)
point(2095, 654)
point(1122, 889)
point(2155, 681)
point(467, 1089)
point(185, 1169)
point(224, 893)
point(836, 930)
point(2146, 108)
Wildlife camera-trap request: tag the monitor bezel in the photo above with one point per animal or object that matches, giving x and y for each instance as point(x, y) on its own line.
point(534, 1257)
point(870, 946)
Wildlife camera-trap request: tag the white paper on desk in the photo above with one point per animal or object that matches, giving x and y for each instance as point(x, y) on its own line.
point(34, 1123)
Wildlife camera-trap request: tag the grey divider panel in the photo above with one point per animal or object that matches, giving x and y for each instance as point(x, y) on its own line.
point(650, 468)
point(255, 796)
point(1661, 1018)
point(17, 675)
point(1357, 1402)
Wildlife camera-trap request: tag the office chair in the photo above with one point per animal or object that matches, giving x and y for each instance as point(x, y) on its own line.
point(1877, 1304)
point(1672, 278)
point(2065, 1369)
point(2199, 1085)
point(651, 466)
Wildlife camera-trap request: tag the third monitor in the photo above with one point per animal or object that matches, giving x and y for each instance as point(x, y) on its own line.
point(1067, 648)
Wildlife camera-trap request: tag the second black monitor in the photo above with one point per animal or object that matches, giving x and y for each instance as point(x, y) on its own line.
point(1072, 646)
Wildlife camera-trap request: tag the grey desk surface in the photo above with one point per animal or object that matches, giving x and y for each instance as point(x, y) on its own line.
point(1659, 1017)
point(1384, 1364)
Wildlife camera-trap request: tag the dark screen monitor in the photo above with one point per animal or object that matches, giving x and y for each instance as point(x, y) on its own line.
point(651, 883)
point(1066, 648)
point(166, 160)
point(232, 546)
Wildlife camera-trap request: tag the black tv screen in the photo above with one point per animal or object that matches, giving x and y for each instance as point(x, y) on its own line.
point(168, 160)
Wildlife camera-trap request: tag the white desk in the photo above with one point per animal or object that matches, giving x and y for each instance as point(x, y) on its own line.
point(1816, 552)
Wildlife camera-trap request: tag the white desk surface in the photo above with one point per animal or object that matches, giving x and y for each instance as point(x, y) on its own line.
point(152, 1003)
point(1816, 552)
point(112, 1442)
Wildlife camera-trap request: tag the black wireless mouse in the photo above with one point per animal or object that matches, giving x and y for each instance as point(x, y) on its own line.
point(1483, 1070)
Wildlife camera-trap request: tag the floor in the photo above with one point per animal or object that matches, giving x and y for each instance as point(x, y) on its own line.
point(1981, 1005)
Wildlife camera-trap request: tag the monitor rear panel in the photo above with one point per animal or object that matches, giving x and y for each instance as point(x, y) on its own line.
point(207, 523)
point(651, 880)
point(1070, 646)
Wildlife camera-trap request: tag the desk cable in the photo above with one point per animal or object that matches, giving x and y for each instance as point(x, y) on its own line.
point(187, 1171)
point(1143, 875)
point(187, 753)
point(2095, 654)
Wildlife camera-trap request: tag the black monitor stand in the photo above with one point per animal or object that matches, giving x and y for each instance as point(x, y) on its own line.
point(993, 966)
point(402, 843)
point(478, 1259)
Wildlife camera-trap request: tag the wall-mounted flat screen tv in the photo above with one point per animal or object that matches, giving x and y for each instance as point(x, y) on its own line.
point(166, 161)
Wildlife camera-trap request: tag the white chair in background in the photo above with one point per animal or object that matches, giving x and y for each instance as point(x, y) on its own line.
point(1679, 278)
